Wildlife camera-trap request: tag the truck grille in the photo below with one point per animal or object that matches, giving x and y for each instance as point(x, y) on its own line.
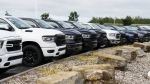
point(13, 45)
point(78, 38)
point(94, 37)
point(145, 35)
point(135, 35)
point(60, 40)
point(103, 35)
point(117, 36)
point(148, 34)
point(123, 36)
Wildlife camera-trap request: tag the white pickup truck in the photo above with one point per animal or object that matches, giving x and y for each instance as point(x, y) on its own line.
point(113, 36)
point(38, 44)
point(10, 49)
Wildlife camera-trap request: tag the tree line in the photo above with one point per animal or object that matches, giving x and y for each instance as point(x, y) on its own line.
point(128, 20)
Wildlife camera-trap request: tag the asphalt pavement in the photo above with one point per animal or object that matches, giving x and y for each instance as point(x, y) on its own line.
point(14, 71)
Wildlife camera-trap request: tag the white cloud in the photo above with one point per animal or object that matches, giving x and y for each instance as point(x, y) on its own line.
point(60, 9)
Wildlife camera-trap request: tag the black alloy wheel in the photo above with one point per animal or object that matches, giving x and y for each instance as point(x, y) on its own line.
point(32, 56)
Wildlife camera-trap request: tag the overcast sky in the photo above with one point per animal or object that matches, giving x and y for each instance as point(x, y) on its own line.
point(60, 9)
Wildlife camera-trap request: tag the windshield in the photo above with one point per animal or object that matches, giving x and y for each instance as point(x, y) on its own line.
point(120, 28)
point(95, 26)
point(70, 24)
point(19, 23)
point(145, 28)
point(79, 25)
point(87, 26)
point(110, 28)
point(43, 24)
point(63, 24)
point(132, 28)
point(102, 26)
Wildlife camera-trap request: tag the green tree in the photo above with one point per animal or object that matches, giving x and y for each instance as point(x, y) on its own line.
point(45, 16)
point(96, 20)
point(7, 14)
point(73, 16)
point(127, 21)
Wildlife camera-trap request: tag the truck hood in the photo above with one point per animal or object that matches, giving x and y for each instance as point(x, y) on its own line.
point(98, 31)
point(41, 31)
point(131, 32)
point(8, 34)
point(68, 31)
point(141, 32)
point(85, 31)
point(110, 31)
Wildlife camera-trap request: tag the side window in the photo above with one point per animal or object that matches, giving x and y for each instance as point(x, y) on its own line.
point(53, 24)
point(3, 22)
point(5, 25)
point(30, 23)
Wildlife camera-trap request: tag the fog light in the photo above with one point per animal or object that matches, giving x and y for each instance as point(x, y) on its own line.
point(7, 64)
point(50, 51)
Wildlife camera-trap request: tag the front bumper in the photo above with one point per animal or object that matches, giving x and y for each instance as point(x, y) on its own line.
point(132, 39)
point(146, 39)
point(54, 52)
point(89, 45)
point(12, 59)
point(123, 40)
point(102, 41)
point(114, 41)
point(143, 39)
point(73, 48)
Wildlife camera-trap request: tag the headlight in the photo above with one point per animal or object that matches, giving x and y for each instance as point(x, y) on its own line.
point(48, 38)
point(85, 35)
point(98, 35)
point(130, 34)
point(69, 36)
point(141, 34)
point(1, 44)
point(112, 34)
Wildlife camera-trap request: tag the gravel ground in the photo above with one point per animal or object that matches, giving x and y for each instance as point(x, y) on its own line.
point(137, 72)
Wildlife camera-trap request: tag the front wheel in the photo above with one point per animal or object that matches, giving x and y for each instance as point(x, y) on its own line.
point(104, 45)
point(32, 55)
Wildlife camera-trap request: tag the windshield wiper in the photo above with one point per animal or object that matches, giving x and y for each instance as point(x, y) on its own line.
point(24, 27)
point(3, 29)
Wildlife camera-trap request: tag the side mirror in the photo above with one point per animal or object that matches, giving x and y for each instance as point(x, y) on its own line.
point(6, 27)
point(112, 29)
point(55, 26)
point(33, 26)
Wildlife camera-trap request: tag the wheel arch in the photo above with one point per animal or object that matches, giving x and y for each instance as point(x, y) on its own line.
point(31, 43)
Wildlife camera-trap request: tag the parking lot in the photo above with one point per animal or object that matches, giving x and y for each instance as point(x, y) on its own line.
point(14, 71)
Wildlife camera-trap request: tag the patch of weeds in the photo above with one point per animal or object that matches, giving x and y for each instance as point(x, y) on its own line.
point(86, 58)
point(47, 71)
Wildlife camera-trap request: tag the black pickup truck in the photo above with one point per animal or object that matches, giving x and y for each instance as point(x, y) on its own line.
point(130, 36)
point(73, 37)
point(142, 35)
point(101, 38)
point(89, 37)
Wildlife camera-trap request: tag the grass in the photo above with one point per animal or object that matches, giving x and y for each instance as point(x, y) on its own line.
point(47, 71)
point(86, 58)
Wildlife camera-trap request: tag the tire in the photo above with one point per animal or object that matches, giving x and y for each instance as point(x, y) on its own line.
point(104, 45)
point(2, 70)
point(32, 56)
